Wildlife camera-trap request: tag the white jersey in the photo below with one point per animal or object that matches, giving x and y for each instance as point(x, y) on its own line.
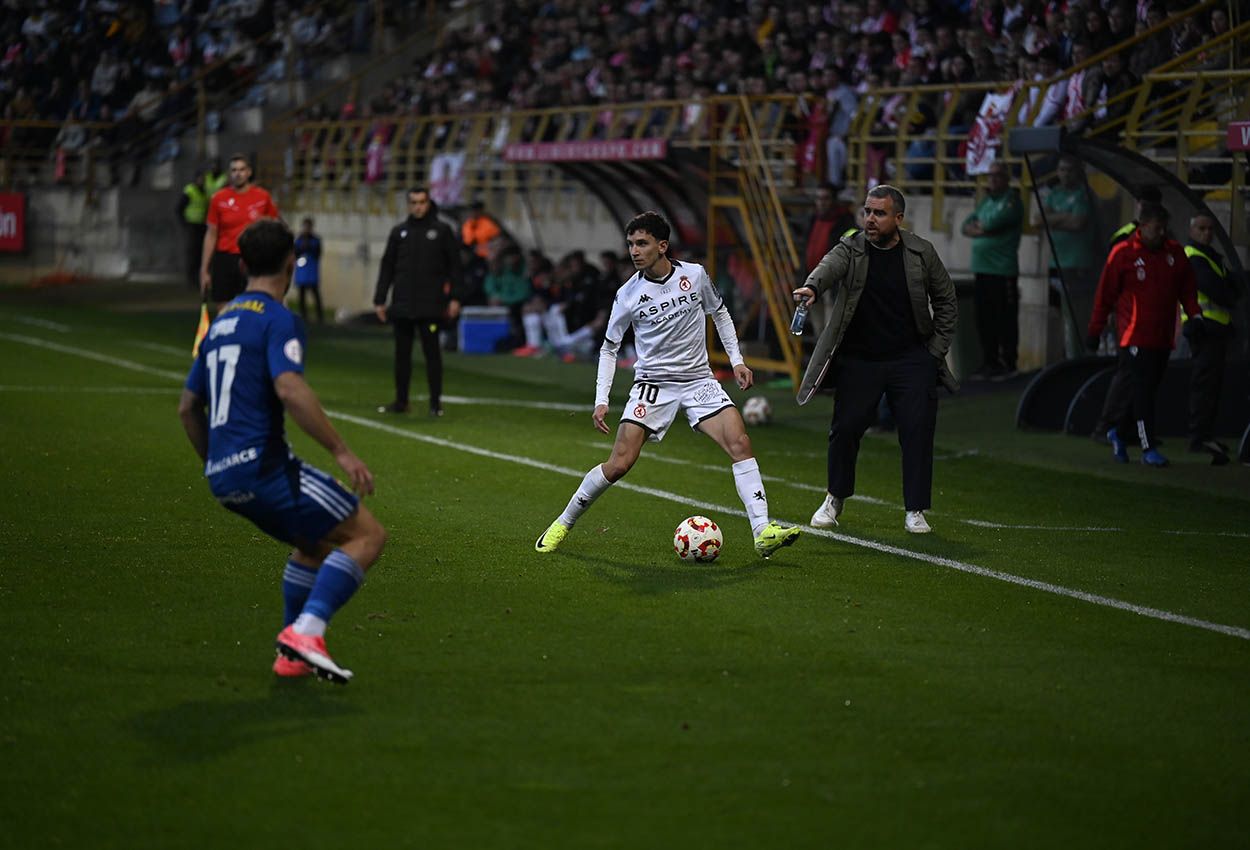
point(670, 322)
point(669, 318)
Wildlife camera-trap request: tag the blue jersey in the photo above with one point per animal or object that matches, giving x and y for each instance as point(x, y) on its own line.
point(251, 342)
point(307, 260)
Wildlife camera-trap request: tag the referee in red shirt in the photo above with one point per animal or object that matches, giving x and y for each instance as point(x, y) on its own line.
point(230, 211)
point(1145, 276)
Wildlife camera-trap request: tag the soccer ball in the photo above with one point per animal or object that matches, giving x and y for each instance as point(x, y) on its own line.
point(697, 539)
point(757, 411)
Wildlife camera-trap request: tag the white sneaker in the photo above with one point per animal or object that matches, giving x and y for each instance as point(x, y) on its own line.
point(916, 523)
point(827, 514)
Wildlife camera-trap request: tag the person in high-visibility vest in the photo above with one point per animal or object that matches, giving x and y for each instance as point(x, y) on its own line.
point(193, 210)
point(1216, 296)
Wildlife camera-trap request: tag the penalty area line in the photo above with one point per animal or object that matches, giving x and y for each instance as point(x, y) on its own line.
point(936, 560)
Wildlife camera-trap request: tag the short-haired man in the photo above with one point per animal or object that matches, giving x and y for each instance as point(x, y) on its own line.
point(1216, 296)
point(882, 338)
point(248, 372)
point(667, 303)
point(230, 211)
point(1144, 277)
point(423, 278)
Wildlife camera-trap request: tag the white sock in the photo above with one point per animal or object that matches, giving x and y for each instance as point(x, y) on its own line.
point(591, 488)
point(751, 491)
point(533, 323)
point(307, 624)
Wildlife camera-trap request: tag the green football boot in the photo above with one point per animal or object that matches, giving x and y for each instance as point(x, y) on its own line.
point(551, 538)
point(773, 537)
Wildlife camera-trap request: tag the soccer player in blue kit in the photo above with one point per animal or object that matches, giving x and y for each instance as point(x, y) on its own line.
point(249, 370)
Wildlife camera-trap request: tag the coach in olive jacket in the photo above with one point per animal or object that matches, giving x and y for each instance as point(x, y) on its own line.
point(893, 320)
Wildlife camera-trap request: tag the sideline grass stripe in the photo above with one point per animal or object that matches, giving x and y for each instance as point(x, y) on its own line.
point(972, 569)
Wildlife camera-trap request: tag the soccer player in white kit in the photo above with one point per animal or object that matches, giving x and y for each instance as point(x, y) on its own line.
point(667, 303)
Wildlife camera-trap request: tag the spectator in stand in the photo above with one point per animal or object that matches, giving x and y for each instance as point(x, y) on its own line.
point(308, 269)
point(1084, 86)
point(479, 230)
point(994, 228)
point(1117, 80)
point(830, 221)
point(1145, 276)
point(1153, 51)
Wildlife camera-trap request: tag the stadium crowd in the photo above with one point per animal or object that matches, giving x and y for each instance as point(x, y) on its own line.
point(125, 62)
point(560, 53)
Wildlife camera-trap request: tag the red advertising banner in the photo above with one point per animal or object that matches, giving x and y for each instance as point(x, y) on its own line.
point(1239, 135)
point(611, 149)
point(12, 222)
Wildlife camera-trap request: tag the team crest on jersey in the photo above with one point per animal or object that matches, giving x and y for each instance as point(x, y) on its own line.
point(431, 233)
point(1139, 262)
point(403, 234)
point(1171, 260)
point(1141, 274)
point(640, 411)
point(684, 283)
point(293, 350)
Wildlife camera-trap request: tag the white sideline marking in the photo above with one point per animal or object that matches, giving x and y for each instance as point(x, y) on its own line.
point(980, 523)
point(92, 355)
point(184, 353)
point(1209, 533)
point(42, 323)
point(518, 402)
point(972, 569)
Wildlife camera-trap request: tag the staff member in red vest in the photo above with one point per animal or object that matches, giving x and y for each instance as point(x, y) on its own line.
point(1143, 279)
point(230, 211)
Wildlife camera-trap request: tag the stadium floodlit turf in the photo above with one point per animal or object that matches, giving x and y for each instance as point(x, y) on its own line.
point(1064, 662)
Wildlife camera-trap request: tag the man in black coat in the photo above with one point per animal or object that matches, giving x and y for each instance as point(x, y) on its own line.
point(422, 273)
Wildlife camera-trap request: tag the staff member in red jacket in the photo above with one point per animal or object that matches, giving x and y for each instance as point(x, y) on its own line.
point(1144, 277)
point(230, 211)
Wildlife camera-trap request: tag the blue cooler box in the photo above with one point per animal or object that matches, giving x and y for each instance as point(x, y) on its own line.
point(481, 329)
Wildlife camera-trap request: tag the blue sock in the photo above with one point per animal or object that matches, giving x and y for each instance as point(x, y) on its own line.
point(297, 583)
point(337, 580)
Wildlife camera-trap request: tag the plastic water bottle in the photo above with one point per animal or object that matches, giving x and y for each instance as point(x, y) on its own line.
point(799, 320)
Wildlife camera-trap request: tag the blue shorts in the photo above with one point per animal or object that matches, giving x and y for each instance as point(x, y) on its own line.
point(298, 504)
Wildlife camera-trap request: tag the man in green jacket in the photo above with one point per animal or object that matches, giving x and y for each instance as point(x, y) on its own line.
point(892, 322)
point(994, 228)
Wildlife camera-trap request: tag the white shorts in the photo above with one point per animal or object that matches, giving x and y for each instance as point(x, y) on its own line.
point(654, 406)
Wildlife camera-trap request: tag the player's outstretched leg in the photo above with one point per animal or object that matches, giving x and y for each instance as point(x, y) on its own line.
point(359, 540)
point(625, 451)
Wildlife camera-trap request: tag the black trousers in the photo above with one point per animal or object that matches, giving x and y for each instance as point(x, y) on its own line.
point(1146, 369)
point(195, 247)
point(1205, 384)
point(303, 308)
point(405, 332)
point(997, 301)
point(909, 382)
point(1119, 399)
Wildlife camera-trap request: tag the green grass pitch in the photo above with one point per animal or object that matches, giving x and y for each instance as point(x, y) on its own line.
point(1065, 662)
